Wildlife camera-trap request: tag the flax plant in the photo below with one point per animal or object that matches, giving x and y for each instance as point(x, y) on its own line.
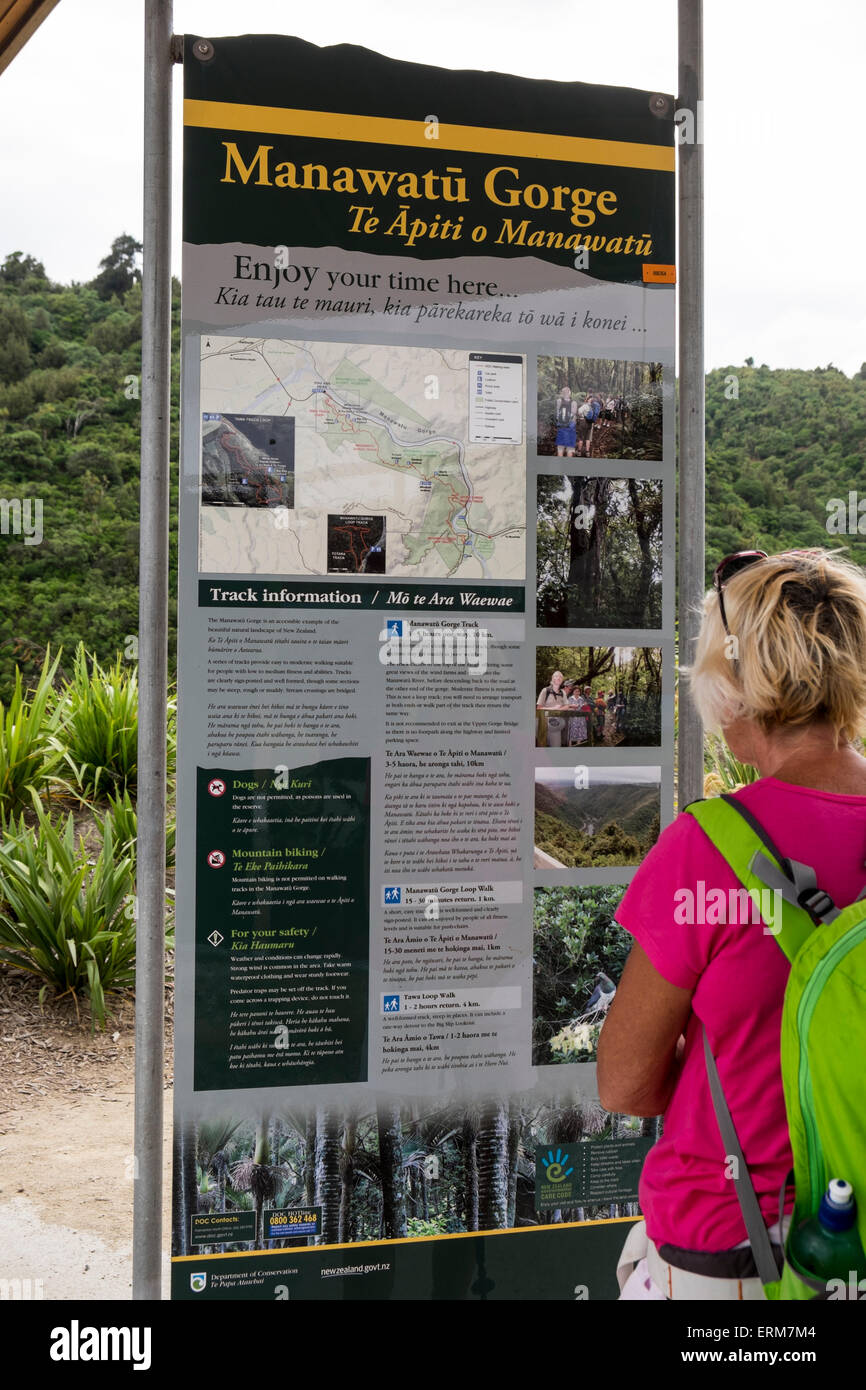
point(30, 751)
point(100, 724)
point(66, 918)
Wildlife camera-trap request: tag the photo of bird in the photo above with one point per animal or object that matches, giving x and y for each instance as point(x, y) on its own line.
point(600, 1000)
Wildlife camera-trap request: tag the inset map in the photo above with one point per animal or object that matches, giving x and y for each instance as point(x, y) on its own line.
point(247, 460)
point(356, 544)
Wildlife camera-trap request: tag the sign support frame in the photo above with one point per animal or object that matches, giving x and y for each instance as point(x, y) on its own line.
point(692, 389)
point(153, 654)
point(161, 51)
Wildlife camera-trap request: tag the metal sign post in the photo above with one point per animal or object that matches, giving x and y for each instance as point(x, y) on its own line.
point(690, 752)
point(153, 653)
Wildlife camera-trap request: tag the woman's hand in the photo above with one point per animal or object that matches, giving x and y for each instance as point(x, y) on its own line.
point(641, 1044)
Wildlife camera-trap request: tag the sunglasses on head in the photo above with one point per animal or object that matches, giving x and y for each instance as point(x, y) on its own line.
point(732, 564)
point(727, 568)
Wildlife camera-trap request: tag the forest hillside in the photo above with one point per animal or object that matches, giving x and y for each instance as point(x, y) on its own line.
point(780, 445)
point(70, 365)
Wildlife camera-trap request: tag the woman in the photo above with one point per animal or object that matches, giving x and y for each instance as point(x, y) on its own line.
point(584, 420)
point(610, 717)
point(552, 696)
point(600, 709)
point(620, 715)
point(565, 415)
point(781, 669)
point(587, 709)
point(577, 729)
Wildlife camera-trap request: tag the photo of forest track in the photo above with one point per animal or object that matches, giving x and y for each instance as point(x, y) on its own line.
point(399, 1171)
point(620, 402)
point(601, 817)
point(599, 549)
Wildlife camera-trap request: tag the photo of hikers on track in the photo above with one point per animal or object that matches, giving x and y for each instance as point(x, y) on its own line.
point(598, 697)
point(591, 407)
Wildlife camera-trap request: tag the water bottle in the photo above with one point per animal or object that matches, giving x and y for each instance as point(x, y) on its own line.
point(827, 1246)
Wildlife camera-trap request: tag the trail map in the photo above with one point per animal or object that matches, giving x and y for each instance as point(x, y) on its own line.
point(381, 434)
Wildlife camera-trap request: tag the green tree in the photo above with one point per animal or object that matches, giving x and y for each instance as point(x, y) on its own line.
point(493, 1166)
point(392, 1175)
point(328, 1183)
point(118, 271)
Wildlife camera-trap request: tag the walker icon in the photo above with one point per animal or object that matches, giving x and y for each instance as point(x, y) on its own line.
point(554, 1168)
point(394, 627)
point(392, 895)
point(391, 1004)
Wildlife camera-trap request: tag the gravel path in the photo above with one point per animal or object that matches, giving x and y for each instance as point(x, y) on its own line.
point(66, 1134)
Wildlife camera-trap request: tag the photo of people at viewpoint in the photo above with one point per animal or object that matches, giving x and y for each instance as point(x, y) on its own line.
point(598, 697)
point(593, 407)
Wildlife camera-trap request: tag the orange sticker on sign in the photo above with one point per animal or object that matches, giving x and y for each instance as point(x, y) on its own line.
point(659, 274)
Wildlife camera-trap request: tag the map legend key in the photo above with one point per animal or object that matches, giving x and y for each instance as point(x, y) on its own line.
point(495, 398)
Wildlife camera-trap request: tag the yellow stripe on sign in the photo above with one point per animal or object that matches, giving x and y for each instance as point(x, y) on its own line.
point(381, 130)
point(408, 1240)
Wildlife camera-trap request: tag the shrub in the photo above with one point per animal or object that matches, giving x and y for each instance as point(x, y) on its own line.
point(66, 919)
point(724, 772)
point(100, 709)
point(124, 821)
point(30, 753)
point(21, 449)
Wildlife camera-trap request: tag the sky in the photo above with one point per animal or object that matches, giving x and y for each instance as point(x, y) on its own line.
point(600, 776)
point(785, 195)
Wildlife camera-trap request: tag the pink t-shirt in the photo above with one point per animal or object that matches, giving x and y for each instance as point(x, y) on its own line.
point(738, 975)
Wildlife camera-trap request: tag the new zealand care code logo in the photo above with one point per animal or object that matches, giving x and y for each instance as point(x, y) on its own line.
point(555, 1180)
point(556, 1168)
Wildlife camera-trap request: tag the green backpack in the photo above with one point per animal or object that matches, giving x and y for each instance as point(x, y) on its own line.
point(823, 1042)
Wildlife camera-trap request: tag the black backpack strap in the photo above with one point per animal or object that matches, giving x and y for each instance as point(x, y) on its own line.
point(796, 882)
point(756, 1230)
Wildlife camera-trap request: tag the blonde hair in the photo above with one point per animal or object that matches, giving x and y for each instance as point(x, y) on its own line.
point(797, 649)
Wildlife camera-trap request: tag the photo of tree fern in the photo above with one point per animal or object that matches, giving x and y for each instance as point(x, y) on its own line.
point(402, 1170)
point(611, 819)
point(599, 549)
point(578, 954)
